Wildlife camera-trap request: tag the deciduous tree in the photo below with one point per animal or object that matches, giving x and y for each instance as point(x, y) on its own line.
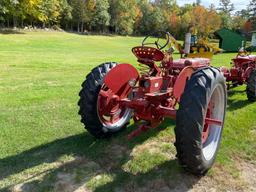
point(101, 16)
point(123, 15)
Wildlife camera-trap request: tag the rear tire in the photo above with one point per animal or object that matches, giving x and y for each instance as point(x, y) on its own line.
point(88, 103)
point(205, 85)
point(251, 87)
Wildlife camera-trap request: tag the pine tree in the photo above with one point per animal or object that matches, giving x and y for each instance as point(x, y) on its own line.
point(252, 8)
point(226, 6)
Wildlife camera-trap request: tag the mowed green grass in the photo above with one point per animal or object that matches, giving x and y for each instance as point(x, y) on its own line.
point(41, 135)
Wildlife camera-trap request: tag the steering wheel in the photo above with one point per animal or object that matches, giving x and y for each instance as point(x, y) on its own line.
point(156, 43)
point(244, 53)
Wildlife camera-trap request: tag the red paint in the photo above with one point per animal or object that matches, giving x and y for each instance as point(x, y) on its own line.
point(148, 53)
point(209, 120)
point(117, 79)
point(156, 93)
point(242, 66)
point(181, 81)
point(206, 129)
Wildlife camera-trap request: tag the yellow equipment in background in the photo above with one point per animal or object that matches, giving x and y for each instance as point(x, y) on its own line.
point(198, 48)
point(203, 45)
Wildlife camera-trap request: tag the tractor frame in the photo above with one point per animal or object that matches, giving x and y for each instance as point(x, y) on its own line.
point(187, 90)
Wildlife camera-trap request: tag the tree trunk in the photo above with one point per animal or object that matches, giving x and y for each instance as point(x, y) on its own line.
point(82, 27)
point(8, 23)
point(71, 26)
point(14, 22)
point(78, 25)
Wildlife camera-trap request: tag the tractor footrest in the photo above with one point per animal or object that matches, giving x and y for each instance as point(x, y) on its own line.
point(163, 93)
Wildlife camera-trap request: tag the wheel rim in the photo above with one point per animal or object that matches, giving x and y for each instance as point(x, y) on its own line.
point(111, 114)
point(211, 134)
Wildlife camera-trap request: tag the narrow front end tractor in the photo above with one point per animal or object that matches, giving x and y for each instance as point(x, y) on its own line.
point(243, 71)
point(187, 90)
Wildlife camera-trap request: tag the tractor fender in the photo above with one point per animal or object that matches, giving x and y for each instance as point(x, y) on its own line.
point(247, 73)
point(121, 78)
point(181, 81)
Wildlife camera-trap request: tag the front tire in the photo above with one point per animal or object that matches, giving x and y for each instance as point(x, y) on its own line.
point(197, 142)
point(88, 104)
point(251, 87)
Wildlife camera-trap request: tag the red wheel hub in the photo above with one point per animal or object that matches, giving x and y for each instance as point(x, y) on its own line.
point(109, 109)
point(209, 120)
point(115, 87)
point(206, 129)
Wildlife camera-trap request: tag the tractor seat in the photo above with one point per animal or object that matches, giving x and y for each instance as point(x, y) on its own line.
point(148, 54)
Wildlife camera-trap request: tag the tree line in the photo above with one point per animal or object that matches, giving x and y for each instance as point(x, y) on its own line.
point(125, 17)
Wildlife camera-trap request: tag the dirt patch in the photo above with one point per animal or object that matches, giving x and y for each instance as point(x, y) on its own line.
point(112, 157)
point(65, 182)
point(217, 180)
point(81, 174)
point(117, 151)
point(248, 174)
point(22, 187)
point(253, 131)
point(64, 176)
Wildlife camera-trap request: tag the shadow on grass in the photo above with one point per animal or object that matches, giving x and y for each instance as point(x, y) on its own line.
point(235, 104)
point(10, 31)
point(92, 34)
point(86, 150)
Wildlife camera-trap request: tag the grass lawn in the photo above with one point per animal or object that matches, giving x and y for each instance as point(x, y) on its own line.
point(43, 145)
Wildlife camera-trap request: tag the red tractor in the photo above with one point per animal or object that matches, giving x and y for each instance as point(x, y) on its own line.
point(243, 71)
point(187, 90)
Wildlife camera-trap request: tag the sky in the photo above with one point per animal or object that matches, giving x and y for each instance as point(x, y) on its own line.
point(239, 4)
